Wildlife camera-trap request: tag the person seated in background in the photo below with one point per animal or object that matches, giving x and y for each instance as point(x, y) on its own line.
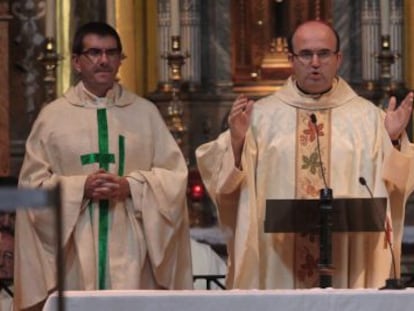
point(6, 267)
point(206, 264)
point(6, 253)
point(271, 151)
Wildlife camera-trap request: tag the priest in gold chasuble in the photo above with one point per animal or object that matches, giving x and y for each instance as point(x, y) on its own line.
point(270, 152)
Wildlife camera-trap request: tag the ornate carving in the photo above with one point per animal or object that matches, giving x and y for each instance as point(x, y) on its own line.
point(254, 39)
point(31, 39)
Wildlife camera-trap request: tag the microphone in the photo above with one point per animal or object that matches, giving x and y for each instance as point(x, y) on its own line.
point(394, 282)
point(314, 121)
point(325, 222)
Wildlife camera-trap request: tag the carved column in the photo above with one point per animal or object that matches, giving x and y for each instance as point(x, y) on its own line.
point(128, 13)
point(370, 41)
point(409, 43)
point(4, 90)
point(190, 38)
point(163, 43)
point(396, 36)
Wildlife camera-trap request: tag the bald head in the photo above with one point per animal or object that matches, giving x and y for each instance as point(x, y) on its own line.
point(315, 56)
point(313, 24)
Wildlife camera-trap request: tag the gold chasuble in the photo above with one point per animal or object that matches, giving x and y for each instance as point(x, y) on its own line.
point(280, 161)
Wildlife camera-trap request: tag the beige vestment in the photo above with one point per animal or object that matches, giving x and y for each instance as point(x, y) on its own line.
point(148, 242)
point(357, 146)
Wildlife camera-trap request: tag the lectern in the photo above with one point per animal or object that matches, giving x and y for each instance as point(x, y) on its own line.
point(304, 216)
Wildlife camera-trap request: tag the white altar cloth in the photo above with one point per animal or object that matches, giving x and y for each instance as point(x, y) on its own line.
point(238, 300)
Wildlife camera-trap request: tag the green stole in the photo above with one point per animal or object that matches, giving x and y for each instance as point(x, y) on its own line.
point(104, 158)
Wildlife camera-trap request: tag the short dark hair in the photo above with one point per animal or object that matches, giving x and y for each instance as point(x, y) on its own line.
point(290, 38)
point(96, 28)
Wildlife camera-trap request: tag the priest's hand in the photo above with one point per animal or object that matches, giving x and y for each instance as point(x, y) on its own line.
point(239, 122)
point(106, 186)
point(397, 118)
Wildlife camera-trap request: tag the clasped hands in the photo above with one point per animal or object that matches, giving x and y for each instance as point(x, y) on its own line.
point(102, 185)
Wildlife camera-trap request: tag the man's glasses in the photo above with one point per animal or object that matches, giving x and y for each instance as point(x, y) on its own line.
point(94, 54)
point(306, 56)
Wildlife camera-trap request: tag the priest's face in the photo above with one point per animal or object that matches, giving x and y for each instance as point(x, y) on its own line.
point(98, 63)
point(315, 59)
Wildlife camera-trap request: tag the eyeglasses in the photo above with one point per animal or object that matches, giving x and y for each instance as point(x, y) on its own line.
point(94, 54)
point(306, 56)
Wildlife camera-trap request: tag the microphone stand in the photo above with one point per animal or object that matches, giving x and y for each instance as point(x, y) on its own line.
point(393, 282)
point(325, 222)
point(325, 238)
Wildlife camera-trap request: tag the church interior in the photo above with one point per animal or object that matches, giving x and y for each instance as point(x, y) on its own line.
point(192, 65)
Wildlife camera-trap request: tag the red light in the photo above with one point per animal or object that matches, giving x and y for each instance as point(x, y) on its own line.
point(197, 192)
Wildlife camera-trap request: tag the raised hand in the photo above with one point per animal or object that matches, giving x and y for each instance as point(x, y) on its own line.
point(397, 118)
point(239, 122)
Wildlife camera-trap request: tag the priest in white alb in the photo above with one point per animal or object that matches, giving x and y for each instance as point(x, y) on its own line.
point(123, 180)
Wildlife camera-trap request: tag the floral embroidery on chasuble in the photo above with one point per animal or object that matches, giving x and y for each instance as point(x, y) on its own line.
point(309, 181)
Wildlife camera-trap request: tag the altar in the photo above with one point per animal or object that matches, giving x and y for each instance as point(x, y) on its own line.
point(240, 300)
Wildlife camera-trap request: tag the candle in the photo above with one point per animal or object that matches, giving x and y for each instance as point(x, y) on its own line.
point(50, 19)
point(175, 17)
point(385, 17)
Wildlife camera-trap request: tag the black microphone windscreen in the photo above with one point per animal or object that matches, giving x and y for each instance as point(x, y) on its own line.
point(313, 118)
point(362, 181)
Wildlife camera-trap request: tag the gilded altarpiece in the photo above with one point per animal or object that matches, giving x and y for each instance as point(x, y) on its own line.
point(260, 29)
